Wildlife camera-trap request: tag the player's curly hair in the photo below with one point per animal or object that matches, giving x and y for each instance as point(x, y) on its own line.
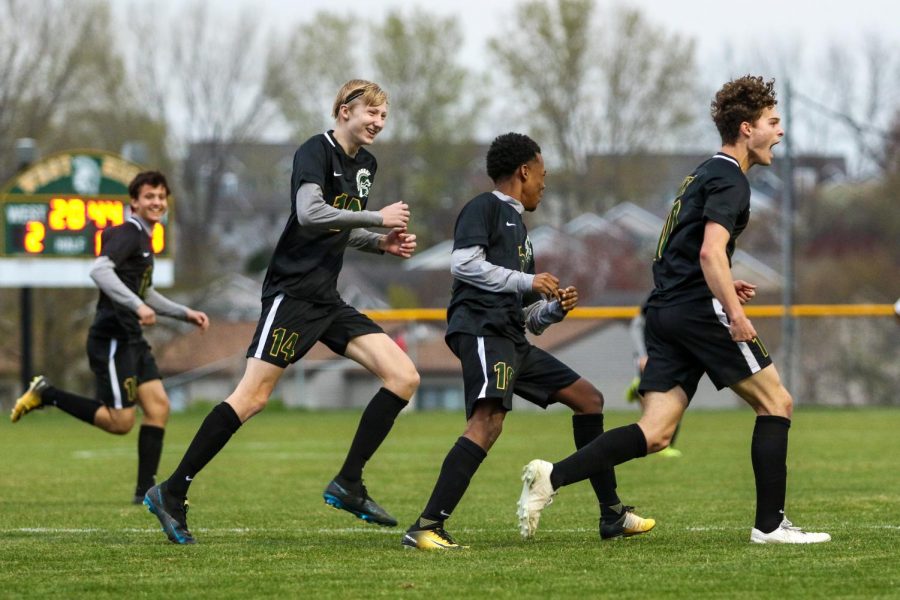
point(508, 152)
point(740, 100)
point(371, 94)
point(151, 178)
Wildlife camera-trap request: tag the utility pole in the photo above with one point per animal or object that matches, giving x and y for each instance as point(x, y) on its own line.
point(787, 241)
point(26, 152)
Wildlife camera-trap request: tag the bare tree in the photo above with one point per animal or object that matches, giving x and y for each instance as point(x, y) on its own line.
point(647, 87)
point(595, 82)
point(432, 114)
point(546, 56)
point(53, 57)
point(207, 77)
point(304, 75)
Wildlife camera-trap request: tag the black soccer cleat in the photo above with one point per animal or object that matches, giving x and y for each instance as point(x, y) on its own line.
point(171, 512)
point(627, 525)
point(356, 500)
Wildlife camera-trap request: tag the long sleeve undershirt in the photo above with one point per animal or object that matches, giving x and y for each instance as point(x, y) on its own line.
point(103, 272)
point(470, 265)
point(313, 211)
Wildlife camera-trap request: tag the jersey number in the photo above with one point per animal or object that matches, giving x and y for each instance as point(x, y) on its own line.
point(284, 343)
point(345, 202)
point(504, 375)
point(672, 219)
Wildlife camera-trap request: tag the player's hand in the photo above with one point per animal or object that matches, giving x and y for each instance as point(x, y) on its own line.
point(547, 284)
point(399, 243)
point(568, 298)
point(745, 291)
point(395, 215)
point(146, 315)
point(198, 318)
point(742, 329)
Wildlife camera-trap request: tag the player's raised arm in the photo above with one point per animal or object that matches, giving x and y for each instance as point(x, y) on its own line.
point(313, 211)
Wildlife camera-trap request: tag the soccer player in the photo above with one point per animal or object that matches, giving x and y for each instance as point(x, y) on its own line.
point(330, 184)
point(636, 329)
point(496, 295)
point(119, 356)
point(696, 324)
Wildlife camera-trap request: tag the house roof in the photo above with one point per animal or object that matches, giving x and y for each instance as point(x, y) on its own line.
point(424, 342)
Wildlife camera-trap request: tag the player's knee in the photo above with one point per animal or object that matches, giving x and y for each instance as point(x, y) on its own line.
point(403, 380)
point(783, 404)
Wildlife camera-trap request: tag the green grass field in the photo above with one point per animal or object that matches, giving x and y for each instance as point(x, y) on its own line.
point(67, 529)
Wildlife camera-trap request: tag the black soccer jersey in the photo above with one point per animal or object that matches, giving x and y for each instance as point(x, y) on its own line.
point(490, 222)
point(307, 260)
point(128, 246)
point(717, 191)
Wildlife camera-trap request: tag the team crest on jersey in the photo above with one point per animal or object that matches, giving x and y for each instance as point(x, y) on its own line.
point(526, 254)
point(363, 182)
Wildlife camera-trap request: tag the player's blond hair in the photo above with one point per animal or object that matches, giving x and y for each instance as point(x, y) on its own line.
point(359, 89)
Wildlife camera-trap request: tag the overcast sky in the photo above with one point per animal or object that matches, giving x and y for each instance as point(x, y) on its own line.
point(713, 22)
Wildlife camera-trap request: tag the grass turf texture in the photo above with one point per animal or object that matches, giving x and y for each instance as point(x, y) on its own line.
point(67, 528)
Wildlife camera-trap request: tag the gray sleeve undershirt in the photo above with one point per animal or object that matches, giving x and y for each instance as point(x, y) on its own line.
point(364, 240)
point(103, 272)
point(164, 306)
point(313, 211)
point(542, 314)
point(469, 265)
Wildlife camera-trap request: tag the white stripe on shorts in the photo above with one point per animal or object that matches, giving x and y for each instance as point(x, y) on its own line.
point(483, 360)
point(113, 374)
point(744, 347)
point(264, 335)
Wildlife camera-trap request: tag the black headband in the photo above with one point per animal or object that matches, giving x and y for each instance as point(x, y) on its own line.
point(354, 95)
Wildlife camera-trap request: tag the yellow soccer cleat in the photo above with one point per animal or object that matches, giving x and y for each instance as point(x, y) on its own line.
point(627, 525)
point(430, 539)
point(631, 392)
point(31, 399)
point(670, 452)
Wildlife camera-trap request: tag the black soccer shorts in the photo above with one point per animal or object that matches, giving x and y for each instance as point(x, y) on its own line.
point(119, 367)
point(497, 367)
point(686, 340)
point(289, 327)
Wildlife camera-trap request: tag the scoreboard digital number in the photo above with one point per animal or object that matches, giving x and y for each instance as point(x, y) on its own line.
point(64, 226)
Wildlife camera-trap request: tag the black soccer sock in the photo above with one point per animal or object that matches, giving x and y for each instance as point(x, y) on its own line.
point(768, 453)
point(374, 425)
point(459, 466)
point(585, 429)
point(610, 449)
point(77, 406)
point(150, 443)
point(215, 431)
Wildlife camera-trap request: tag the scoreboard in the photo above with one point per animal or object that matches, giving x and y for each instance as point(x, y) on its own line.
point(64, 225)
point(52, 216)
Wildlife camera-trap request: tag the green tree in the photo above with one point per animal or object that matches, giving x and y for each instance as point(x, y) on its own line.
point(431, 119)
point(302, 77)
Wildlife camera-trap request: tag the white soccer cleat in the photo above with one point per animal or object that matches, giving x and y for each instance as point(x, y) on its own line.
point(786, 533)
point(537, 493)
